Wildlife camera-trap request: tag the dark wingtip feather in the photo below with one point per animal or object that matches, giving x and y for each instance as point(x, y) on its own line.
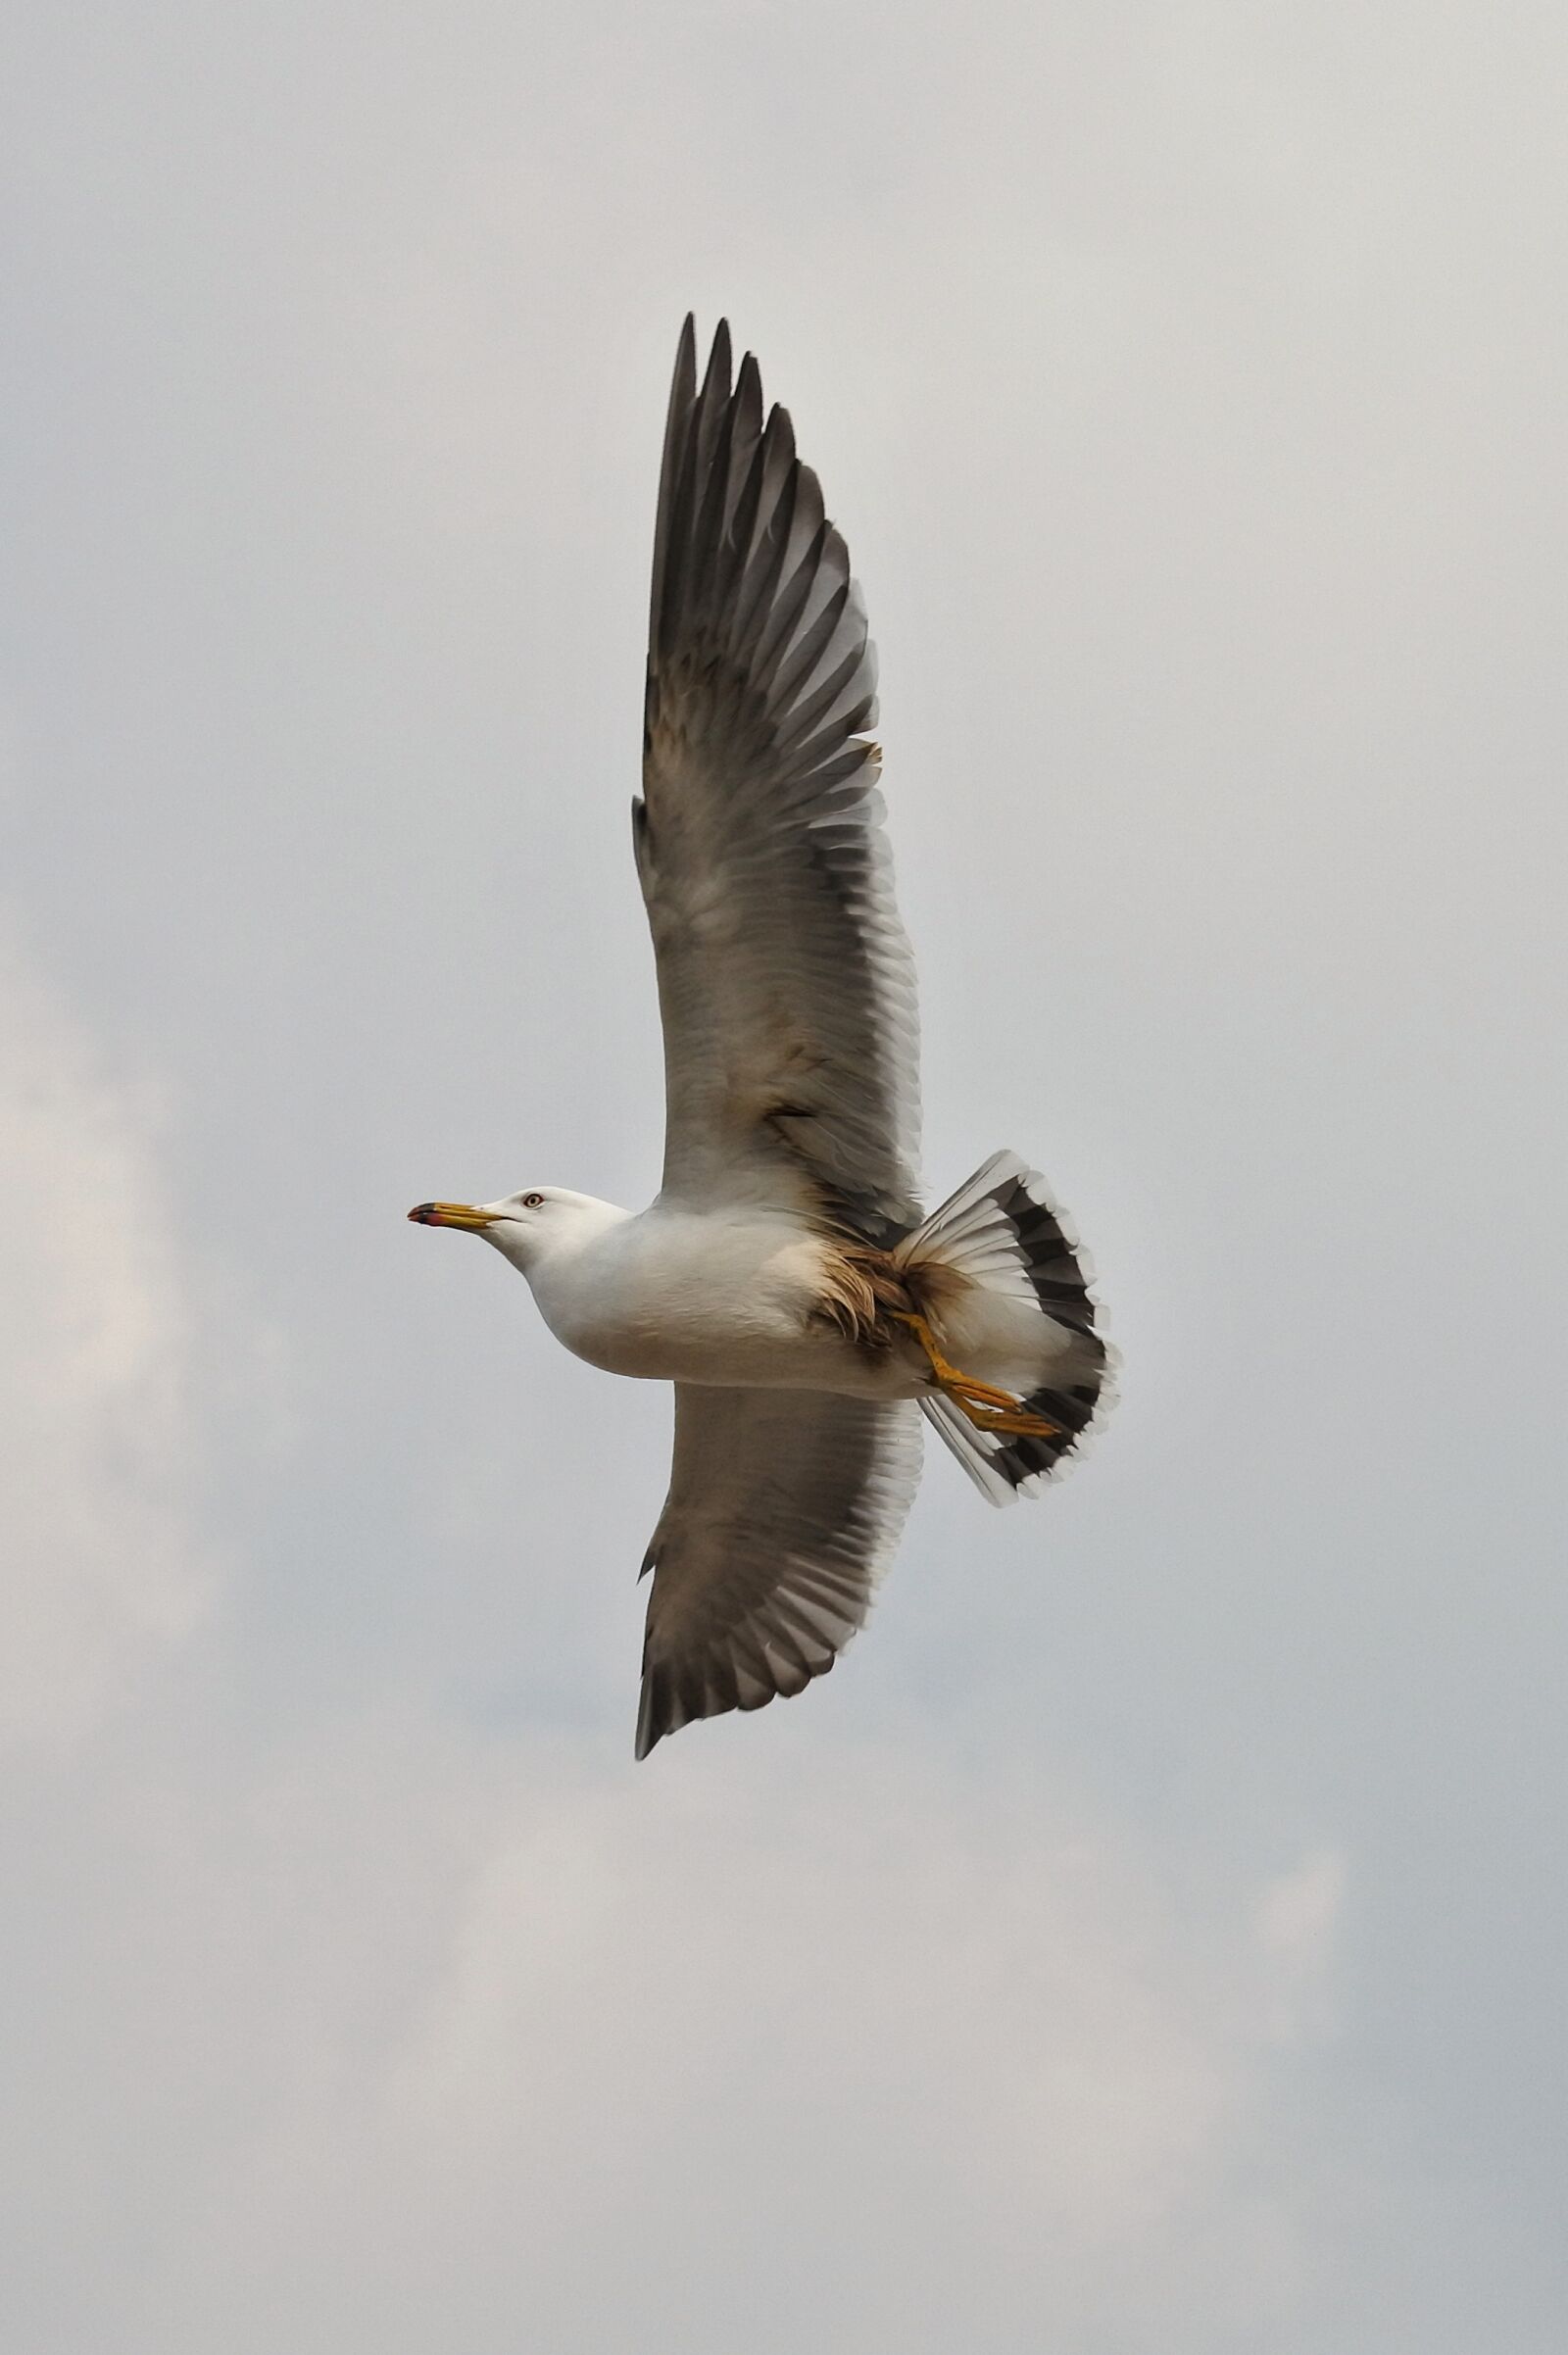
point(656, 1711)
point(748, 395)
point(682, 394)
point(719, 361)
point(781, 433)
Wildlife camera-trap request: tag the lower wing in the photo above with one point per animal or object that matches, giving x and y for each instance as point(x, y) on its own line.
point(784, 1509)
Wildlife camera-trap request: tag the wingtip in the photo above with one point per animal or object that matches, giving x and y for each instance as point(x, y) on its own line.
point(683, 382)
point(780, 432)
point(749, 396)
point(716, 375)
point(686, 346)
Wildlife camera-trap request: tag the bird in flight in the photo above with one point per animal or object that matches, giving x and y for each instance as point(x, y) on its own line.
point(786, 1280)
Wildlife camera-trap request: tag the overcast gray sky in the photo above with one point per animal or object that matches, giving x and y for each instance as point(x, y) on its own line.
point(1153, 1937)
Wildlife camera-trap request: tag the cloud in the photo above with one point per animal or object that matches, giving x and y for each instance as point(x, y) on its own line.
point(420, 2038)
point(1295, 1918)
point(97, 1444)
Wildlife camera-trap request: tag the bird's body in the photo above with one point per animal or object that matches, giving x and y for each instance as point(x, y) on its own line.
point(743, 1299)
point(731, 1298)
point(785, 1281)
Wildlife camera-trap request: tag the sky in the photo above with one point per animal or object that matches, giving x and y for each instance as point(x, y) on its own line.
point(1152, 1934)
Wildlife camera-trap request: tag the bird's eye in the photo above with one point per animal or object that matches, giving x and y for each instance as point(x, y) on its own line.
point(531, 1202)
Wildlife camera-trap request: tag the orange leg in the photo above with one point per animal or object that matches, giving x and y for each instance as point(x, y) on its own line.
point(984, 1405)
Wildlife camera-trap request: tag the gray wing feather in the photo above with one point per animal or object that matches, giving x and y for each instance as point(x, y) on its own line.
point(785, 980)
point(784, 1508)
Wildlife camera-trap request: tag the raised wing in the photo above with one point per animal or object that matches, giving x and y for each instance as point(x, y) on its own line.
point(784, 1508)
point(785, 980)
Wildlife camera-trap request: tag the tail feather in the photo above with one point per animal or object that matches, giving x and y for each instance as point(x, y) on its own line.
point(1002, 1236)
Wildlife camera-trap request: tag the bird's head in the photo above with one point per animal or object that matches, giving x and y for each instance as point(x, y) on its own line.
point(525, 1226)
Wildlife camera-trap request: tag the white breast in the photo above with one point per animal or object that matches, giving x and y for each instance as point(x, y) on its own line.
point(680, 1295)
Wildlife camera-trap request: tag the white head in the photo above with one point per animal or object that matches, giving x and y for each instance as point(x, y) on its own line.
point(528, 1226)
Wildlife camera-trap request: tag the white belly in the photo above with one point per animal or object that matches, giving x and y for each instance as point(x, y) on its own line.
point(677, 1297)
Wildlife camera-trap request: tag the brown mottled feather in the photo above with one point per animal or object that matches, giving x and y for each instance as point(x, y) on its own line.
point(867, 1294)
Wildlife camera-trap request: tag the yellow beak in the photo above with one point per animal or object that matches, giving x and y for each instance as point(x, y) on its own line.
point(452, 1214)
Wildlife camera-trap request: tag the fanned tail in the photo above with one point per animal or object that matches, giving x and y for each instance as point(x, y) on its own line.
point(997, 1261)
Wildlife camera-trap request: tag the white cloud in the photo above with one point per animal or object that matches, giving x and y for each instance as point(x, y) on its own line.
point(442, 2042)
point(97, 1477)
point(1295, 1921)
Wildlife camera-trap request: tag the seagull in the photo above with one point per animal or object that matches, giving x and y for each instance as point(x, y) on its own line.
point(786, 1280)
